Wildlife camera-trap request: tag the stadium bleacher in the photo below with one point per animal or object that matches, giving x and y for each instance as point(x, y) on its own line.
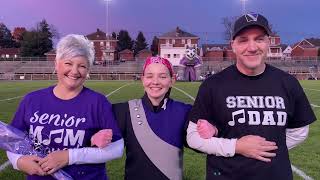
point(39, 69)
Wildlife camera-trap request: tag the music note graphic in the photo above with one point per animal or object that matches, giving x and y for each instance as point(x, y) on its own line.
point(57, 139)
point(240, 120)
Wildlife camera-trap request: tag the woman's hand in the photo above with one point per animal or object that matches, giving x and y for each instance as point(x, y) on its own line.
point(102, 138)
point(205, 129)
point(54, 161)
point(29, 164)
point(256, 147)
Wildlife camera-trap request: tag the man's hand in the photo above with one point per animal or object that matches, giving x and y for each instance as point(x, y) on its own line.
point(256, 147)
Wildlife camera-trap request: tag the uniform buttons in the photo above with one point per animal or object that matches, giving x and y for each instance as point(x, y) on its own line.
point(138, 115)
point(136, 108)
point(139, 122)
point(216, 173)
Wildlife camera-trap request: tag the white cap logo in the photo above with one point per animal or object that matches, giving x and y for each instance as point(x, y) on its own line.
point(251, 17)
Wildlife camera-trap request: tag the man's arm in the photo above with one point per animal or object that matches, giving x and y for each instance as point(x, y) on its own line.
point(296, 136)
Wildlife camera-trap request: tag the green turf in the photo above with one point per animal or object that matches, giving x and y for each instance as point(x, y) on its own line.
point(306, 156)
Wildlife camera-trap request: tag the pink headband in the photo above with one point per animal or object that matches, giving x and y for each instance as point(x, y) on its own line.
point(160, 60)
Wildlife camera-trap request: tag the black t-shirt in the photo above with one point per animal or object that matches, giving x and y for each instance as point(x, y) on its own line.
point(263, 105)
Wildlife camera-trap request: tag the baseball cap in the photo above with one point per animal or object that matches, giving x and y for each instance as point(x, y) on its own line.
point(250, 19)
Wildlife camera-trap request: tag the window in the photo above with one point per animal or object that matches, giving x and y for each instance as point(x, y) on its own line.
point(189, 41)
point(173, 41)
point(176, 55)
point(168, 55)
point(273, 41)
point(108, 45)
point(167, 41)
point(101, 43)
point(183, 41)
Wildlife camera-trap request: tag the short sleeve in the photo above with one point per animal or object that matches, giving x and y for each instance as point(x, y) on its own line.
point(200, 109)
point(18, 120)
point(108, 120)
point(302, 111)
point(121, 112)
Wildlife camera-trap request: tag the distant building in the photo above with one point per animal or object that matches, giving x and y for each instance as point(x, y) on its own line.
point(286, 51)
point(173, 44)
point(144, 54)
point(275, 50)
point(217, 52)
point(306, 49)
point(126, 55)
point(9, 52)
point(51, 55)
point(104, 46)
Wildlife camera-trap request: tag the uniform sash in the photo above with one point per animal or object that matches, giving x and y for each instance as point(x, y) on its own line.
point(166, 157)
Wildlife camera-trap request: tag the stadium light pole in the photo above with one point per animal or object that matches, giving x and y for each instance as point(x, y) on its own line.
point(107, 14)
point(243, 2)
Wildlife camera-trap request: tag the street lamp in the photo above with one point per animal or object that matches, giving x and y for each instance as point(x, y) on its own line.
point(243, 2)
point(107, 13)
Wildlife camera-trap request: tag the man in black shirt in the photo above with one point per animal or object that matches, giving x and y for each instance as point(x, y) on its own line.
point(259, 110)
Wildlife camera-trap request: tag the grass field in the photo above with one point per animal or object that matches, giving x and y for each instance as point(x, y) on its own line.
point(306, 157)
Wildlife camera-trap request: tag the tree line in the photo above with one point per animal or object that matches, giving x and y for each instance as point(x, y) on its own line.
point(125, 42)
point(32, 43)
point(39, 40)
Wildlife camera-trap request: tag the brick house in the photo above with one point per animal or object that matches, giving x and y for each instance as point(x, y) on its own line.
point(275, 50)
point(217, 52)
point(126, 55)
point(51, 55)
point(104, 46)
point(173, 44)
point(144, 54)
point(306, 49)
point(9, 52)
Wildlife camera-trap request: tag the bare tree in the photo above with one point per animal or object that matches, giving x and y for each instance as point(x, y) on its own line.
point(228, 23)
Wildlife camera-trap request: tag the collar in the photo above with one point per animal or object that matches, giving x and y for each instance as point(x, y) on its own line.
point(163, 104)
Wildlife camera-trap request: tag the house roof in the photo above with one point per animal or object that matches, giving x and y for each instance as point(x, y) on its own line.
point(216, 46)
point(308, 43)
point(314, 41)
point(100, 35)
point(51, 52)
point(178, 33)
point(125, 51)
point(9, 50)
point(144, 51)
point(283, 46)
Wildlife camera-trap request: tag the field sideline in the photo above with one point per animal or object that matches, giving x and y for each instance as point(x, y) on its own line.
point(306, 157)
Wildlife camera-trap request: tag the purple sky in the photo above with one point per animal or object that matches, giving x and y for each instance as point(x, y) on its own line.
point(292, 19)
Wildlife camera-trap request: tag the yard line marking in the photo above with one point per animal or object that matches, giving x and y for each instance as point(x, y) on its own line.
point(118, 89)
point(4, 165)
point(7, 163)
point(184, 93)
point(312, 89)
point(11, 98)
point(294, 169)
point(314, 105)
point(8, 99)
point(300, 173)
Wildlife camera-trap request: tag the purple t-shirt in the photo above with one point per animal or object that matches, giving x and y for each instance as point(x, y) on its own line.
point(61, 124)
